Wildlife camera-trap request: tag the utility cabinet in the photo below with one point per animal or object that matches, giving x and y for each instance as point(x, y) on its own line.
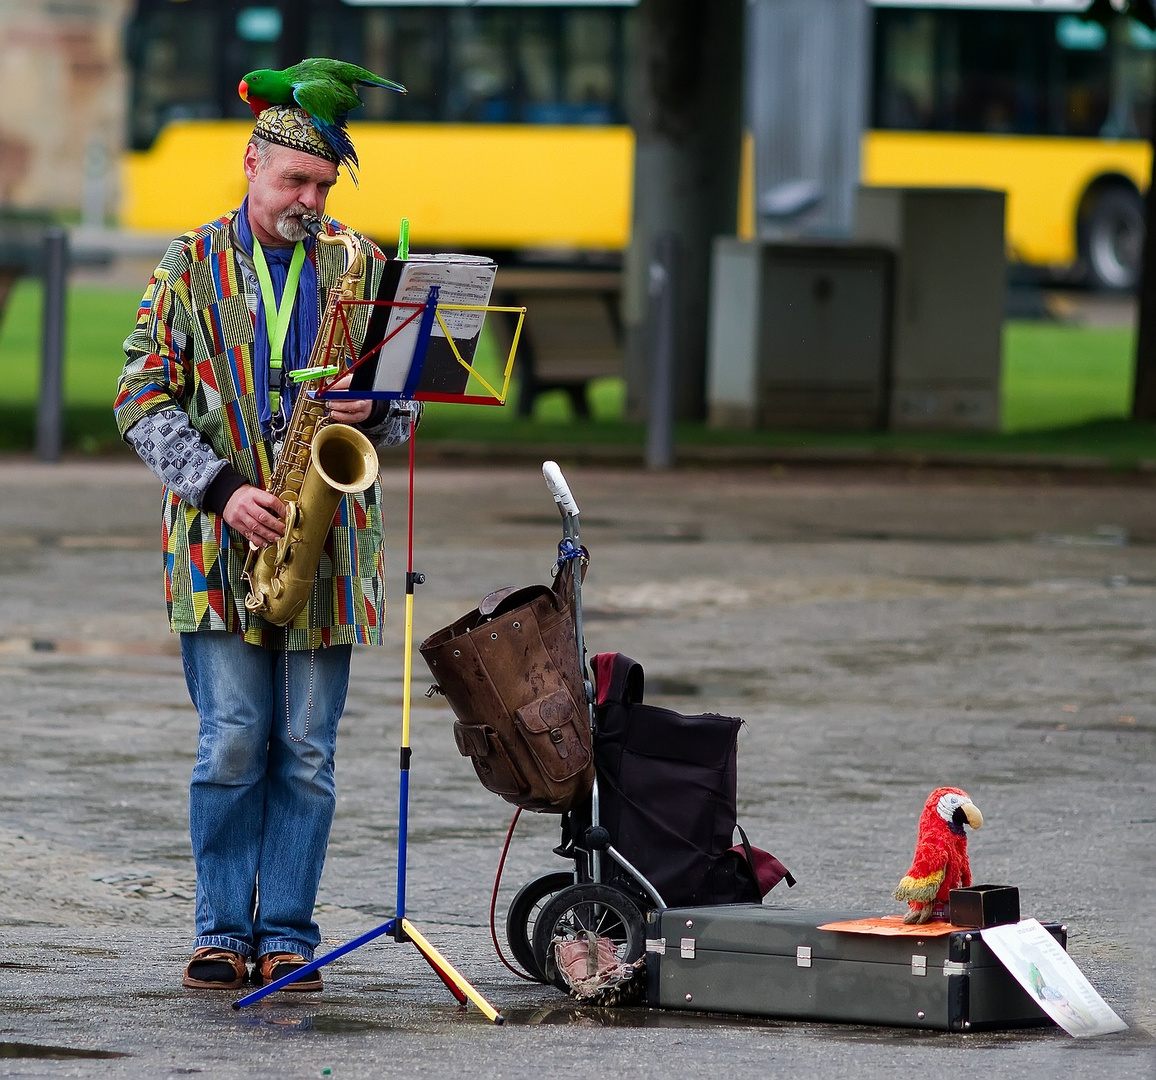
point(948, 306)
point(799, 334)
point(899, 328)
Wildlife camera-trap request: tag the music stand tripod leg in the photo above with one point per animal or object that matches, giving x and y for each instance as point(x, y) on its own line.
point(444, 968)
point(315, 965)
point(445, 977)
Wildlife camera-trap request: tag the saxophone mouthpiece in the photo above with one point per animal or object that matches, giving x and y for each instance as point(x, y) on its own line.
point(311, 224)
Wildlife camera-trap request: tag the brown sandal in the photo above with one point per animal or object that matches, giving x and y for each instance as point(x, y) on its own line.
point(215, 969)
point(274, 966)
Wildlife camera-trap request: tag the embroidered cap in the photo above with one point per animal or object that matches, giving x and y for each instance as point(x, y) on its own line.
point(293, 128)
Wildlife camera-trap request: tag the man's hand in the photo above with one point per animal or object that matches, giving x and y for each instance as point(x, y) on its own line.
point(348, 410)
point(256, 514)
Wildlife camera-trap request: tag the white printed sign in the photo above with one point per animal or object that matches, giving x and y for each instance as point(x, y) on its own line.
point(1051, 978)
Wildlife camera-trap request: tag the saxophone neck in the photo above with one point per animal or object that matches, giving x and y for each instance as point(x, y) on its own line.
point(353, 257)
point(331, 345)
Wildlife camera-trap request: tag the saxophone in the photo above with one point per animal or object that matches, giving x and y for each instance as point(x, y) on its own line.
point(320, 463)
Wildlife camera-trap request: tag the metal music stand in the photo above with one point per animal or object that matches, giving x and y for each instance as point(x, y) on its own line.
point(399, 927)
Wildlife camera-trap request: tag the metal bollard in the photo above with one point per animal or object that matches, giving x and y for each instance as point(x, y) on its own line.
point(50, 407)
point(663, 287)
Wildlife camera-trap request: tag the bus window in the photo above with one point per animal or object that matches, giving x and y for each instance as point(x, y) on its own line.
point(905, 71)
point(533, 63)
point(479, 67)
point(998, 72)
point(1002, 61)
point(567, 67)
point(165, 87)
point(592, 53)
point(405, 45)
point(1083, 60)
point(1134, 77)
point(538, 64)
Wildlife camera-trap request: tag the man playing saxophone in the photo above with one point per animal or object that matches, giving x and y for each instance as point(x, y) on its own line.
point(231, 310)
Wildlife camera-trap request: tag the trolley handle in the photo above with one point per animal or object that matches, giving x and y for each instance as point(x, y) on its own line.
point(556, 482)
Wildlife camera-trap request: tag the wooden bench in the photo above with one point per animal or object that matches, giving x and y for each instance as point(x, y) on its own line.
point(572, 333)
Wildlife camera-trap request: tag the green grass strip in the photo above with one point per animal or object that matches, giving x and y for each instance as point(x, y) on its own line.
point(1066, 390)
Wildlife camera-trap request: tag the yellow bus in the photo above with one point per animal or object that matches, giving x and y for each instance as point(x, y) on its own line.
point(514, 137)
point(1026, 96)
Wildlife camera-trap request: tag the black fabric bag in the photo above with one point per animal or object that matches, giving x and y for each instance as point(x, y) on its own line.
point(667, 788)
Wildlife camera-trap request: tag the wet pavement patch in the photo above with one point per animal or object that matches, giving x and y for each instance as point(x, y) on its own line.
point(572, 1013)
point(1100, 536)
point(671, 686)
point(80, 950)
point(552, 521)
point(16, 646)
point(38, 1050)
point(605, 615)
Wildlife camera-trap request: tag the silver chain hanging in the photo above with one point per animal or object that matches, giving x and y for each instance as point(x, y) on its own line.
point(312, 669)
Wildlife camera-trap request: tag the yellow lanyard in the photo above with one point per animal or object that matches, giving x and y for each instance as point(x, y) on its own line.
point(277, 316)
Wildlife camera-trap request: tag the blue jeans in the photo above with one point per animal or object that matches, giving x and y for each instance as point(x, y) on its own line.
point(262, 795)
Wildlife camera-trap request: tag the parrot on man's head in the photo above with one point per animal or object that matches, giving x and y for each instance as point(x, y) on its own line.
point(940, 863)
point(325, 89)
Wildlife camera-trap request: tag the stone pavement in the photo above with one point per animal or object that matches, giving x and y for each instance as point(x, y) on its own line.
point(881, 632)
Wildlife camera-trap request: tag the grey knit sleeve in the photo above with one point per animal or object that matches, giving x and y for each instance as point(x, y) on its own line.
point(168, 444)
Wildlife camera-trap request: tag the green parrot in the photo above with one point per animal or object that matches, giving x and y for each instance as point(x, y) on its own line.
point(1037, 981)
point(325, 89)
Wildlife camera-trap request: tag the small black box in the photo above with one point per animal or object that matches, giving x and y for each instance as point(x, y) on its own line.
point(984, 905)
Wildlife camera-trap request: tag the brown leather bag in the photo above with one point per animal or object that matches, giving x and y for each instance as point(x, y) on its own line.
point(510, 672)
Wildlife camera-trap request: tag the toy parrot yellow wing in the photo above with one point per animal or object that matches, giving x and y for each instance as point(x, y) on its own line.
point(925, 878)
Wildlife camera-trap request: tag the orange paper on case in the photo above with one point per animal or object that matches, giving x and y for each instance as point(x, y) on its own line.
point(892, 926)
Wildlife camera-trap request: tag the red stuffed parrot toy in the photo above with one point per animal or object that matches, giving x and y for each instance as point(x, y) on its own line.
point(940, 863)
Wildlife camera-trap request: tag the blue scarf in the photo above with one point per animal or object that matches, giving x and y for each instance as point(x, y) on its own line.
point(303, 325)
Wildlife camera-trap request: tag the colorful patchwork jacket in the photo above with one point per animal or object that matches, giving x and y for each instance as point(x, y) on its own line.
point(192, 349)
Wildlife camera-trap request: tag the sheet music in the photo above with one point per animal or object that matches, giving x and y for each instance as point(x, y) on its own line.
point(463, 279)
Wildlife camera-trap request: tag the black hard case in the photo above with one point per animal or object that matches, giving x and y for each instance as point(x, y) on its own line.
point(775, 962)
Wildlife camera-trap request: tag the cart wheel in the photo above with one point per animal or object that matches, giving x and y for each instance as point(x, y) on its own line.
point(606, 911)
point(523, 916)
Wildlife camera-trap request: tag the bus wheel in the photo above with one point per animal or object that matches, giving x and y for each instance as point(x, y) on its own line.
point(1112, 240)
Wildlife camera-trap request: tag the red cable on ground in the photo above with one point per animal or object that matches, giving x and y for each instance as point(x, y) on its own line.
point(494, 900)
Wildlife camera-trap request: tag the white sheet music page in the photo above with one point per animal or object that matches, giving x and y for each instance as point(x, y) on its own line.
point(463, 279)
